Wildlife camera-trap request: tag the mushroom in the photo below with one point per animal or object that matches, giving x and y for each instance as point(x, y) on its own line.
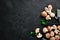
point(45, 30)
point(48, 17)
point(50, 7)
point(52, 38)
point(57, 37)
point(59, 27)
point(56, 31)
point(47, 35)
point(52, 14)
point(37, 30)
point(52, 33)
point(46, 9)
point(54, 27)
point(44, 14)
point(39, 35)
point(49, 28)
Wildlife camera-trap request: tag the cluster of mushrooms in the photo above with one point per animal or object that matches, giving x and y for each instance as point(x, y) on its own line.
point(50, 32)
point(47, 13)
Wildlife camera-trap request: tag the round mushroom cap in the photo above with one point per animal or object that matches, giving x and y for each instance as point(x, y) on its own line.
point(58, 27)
point(57, 37)
point(52, 14)
point(52, 33)
point(54, 27)
point(45, 30)
point(47, 35)
point(44, 14)
point(52, 38)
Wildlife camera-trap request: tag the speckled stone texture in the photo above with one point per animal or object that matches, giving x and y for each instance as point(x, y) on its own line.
point(19, 17)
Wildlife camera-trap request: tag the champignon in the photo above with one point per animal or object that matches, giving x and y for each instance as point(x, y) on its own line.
point(52, 38)
point(49, 28)
point(37, 30)
point(47, 35)
point(52, 14)
point(44, 14)
point(57, 37)
point(39, 35)
point(52, 33)
point(48, 17)
point(45, 30)
point(58, 27)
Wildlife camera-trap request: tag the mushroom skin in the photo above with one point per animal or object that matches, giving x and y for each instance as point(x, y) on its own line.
point(52, 33)
point(52, 38)
point(39, 35)
point(47, 35)
point(37, 30)
point(52, 14)
point(48, 17)
point(54, 27)
point(50, 7)
point(57, 37)
point(49, 28)
point(45, 30)
point(56, 31)
point(58, 27)
point(44, 14)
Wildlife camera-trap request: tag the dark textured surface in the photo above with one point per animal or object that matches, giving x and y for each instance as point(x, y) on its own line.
point(18, 17)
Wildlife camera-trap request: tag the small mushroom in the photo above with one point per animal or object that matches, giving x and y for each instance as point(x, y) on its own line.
point(58, 27)
point(45, 30)
point(49, 28)
point(52, 38)
point(56, 31)
point(57, 37)
point(37, 30)
point(47, 35)
point(50, 7)
point(52, 33)
point(48, 17)
point(54, 27)
point(44, 14)
point(46, 9)
point(52, 14)
point(39, 35)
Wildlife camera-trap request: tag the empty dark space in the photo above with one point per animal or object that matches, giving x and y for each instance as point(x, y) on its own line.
point(19, 17)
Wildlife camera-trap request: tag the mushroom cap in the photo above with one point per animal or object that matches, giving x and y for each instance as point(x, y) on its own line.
point(44, 14)
point(58, 27)
point(47, 35)
point(57, 37)
point(49, 28)
point(52, 38)
point(50, 7)
point(39, 35)
point(54, 27)
point(45, 30)
point(48, 17)
point(52, 33)
point(56, 31)
point(37, 30)
point(52, 14)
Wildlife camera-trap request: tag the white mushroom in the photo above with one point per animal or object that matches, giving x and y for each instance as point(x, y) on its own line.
point(39, 35)
point(48, 17)
point(44, 14)
point(54, 27)
point(50, 7)
point(47, 35)
point(49, 28)
point(56, 31)
point(45, 30)
point(37, 30)
point(52, 33)
point(52, 14)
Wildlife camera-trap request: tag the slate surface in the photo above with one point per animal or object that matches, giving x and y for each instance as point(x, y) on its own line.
point(18, 17)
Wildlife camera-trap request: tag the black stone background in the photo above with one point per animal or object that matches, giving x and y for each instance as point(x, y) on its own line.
point(19, 17)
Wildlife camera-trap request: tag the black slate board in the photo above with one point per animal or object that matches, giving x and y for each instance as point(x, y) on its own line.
point(19, 17)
